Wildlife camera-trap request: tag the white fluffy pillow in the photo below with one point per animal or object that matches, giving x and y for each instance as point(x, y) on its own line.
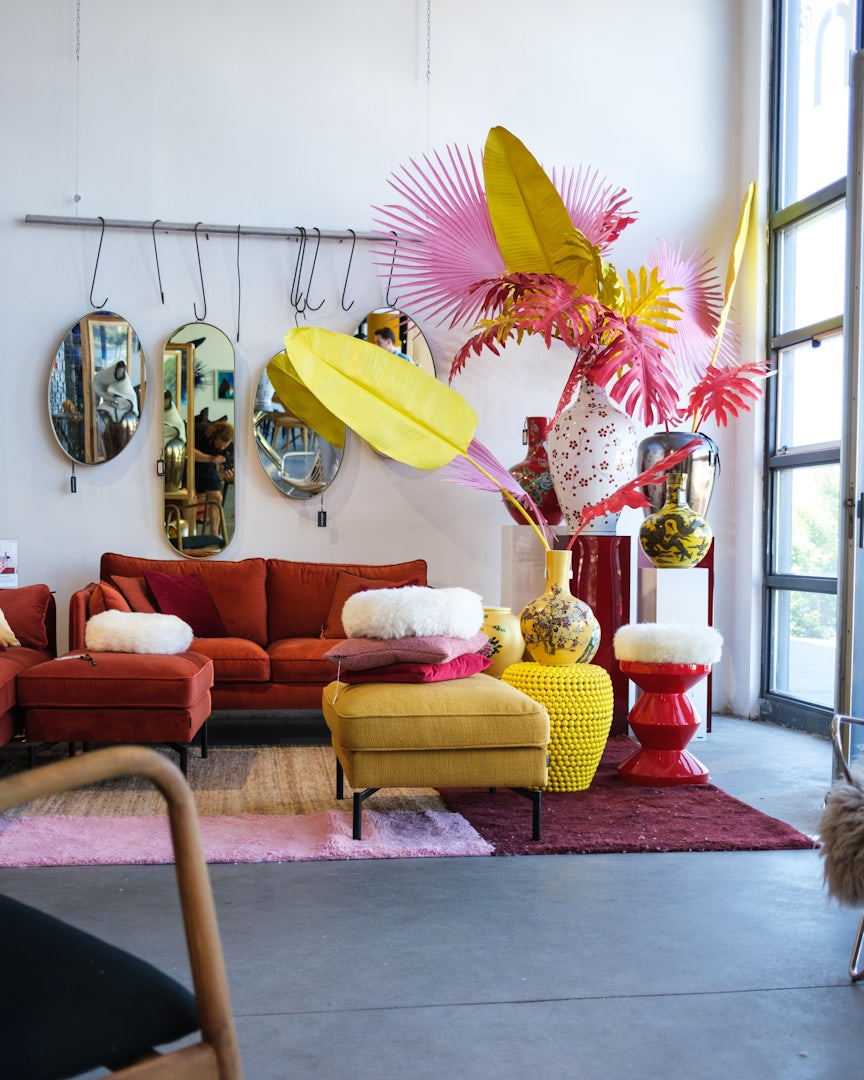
point(137, 632)
point(413, 611)
point(668, 643)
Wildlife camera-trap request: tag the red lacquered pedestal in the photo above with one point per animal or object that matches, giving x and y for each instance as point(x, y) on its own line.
point(664, 721)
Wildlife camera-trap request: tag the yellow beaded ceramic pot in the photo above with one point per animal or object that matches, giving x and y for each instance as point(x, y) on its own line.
point(559, 628)
point(676, 536)
point(580, 702)
point(504, 631)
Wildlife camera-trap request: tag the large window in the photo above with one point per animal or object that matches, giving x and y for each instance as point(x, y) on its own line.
point(813, 45)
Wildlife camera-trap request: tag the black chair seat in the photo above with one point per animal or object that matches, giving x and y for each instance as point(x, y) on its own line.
point(95, 1004)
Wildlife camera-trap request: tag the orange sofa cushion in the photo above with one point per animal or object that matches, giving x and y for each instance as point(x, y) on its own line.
point(234, 659)
point(300, 594)
point(300, 660)
point(26, 610)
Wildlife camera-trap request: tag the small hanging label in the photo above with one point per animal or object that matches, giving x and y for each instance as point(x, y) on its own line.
point(322, 519)
point(73, 481)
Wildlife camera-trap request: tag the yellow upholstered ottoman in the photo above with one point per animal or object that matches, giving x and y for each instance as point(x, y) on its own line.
point(580, 702)
point(473, 732)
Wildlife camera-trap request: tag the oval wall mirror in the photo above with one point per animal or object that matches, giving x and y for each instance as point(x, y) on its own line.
point(96, 388)
point(299, 460)
point(198, 440)
point(394, 330)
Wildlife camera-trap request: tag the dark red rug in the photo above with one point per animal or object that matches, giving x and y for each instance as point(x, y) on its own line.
point(612, 816)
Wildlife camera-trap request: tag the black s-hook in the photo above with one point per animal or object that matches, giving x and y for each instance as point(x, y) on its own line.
point(314, 307)
point(93, 303)
point(156, 253)
point(295, 296)
point(388, 300)
point(200, 318)
point(348, 271)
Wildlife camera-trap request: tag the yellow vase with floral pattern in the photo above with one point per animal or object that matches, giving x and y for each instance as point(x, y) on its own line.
point(558, 627)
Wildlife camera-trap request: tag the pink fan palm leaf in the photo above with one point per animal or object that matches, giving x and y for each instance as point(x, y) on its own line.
point(594, 206)
point(445, 238)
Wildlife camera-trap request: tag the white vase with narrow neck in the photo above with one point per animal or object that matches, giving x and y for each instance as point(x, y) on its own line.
point(592, 452)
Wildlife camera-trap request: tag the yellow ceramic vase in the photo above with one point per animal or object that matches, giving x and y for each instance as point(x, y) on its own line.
point(504, 631)
point(676, 536)
point(558, 628)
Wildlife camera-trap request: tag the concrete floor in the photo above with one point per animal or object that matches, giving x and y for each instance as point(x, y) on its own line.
point(681, 966)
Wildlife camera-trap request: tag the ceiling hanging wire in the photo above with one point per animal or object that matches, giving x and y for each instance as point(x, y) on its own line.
point(238, 284)
point(77, 195)
point(428, 73)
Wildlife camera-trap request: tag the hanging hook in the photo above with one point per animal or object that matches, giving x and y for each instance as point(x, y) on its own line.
point(388, 300)
point(200, 318)
point(348, 271)
point(295, 296)
point(238, 284)
point(93, 303)
point(156, 253)
point(311, 272)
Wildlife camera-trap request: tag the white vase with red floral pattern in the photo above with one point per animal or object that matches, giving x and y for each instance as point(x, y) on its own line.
point(592, 452)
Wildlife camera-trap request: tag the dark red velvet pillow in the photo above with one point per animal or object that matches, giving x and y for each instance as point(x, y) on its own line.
point(460, 667)
point(26, 611)
point(188, 598)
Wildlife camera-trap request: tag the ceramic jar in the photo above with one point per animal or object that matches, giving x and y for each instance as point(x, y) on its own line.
point(532, 473)
point(558, 628)
point(501, 625)
point(675, 536)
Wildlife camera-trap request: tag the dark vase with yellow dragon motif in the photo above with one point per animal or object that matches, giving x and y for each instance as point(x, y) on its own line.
point(675, 536)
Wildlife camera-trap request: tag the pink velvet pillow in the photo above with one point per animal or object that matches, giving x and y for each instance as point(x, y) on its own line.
point(460, 667)
point(189, 599)
point(359, 654)
point(346, 585)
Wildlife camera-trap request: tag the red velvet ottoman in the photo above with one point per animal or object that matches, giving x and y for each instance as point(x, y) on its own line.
point(110, 697)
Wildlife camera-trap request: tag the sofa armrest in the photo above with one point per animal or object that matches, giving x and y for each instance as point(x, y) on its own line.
point(78, 609)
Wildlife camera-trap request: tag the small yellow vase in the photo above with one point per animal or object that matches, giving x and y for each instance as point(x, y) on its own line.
point(676, 536)
point(558, 628)
point(504, 631)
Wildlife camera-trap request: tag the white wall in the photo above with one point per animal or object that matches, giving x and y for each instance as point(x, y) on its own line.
point(275, 112)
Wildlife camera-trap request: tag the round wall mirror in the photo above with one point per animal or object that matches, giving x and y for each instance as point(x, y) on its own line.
point(297, 458)
point(198, 440)
point(96, 388)
point(394, 330)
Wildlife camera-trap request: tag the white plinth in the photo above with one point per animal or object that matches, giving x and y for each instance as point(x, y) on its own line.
point(678, 596)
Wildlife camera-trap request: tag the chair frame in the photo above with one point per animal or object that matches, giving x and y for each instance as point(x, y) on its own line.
point(216, 1056)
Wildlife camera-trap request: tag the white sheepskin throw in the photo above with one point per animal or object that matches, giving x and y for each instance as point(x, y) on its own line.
point(668, 643)
point(412, 611)
point(841, 830)
point(137, 632)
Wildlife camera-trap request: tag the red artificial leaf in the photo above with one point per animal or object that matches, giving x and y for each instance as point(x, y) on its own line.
point(724, 393)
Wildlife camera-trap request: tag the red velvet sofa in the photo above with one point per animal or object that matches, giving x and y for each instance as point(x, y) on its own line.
point(32, 616)
point(265, 623)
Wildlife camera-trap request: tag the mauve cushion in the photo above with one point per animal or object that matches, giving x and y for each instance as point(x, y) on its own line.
point(460, 667)
point(189, 599)
point(359, 654)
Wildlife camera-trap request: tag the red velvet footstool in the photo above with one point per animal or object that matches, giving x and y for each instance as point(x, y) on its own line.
point(110, 697)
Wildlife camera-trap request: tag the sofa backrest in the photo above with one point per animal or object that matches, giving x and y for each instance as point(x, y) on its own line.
point(238, 589)
point(299, 593)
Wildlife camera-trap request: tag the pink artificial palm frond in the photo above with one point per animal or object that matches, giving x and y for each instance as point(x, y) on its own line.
point(635, 369)
point(446, 241)
point(463, 470)
point(697, 292)
point(630, 495)
point(724, 393)
point(594, 206)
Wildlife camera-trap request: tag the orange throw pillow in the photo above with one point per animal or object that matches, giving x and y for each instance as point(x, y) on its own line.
point(346, 585)
point(136, 593)
point(106, 598)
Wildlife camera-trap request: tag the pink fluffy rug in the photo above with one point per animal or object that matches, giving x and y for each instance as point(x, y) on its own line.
point(108, 841)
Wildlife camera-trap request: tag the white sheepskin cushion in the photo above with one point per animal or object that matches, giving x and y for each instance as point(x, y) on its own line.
point(413, 611)
point(137, 632)
point(668, 643)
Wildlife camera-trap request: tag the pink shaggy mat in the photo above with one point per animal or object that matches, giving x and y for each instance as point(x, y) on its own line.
point(249, 838)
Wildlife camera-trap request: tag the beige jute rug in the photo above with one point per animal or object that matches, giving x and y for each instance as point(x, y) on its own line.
point(232, 780)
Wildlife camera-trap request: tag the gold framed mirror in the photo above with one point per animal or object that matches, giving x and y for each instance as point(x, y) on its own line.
point(297, 458)
point(199, 501)
point(96, 388)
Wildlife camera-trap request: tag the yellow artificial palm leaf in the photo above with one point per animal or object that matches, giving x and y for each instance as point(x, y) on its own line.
point(299, 399)
point(735, 258)
point(529, 218)
point(398, 408)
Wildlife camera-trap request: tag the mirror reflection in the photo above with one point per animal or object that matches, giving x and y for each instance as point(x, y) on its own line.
point(398, 333)
point(198, 439)
point(96, 388)
point(299, 461)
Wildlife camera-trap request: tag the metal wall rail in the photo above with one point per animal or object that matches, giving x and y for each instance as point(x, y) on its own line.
point(158, 225)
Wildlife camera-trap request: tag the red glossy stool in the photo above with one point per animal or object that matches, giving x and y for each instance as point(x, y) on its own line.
point(664, 721)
